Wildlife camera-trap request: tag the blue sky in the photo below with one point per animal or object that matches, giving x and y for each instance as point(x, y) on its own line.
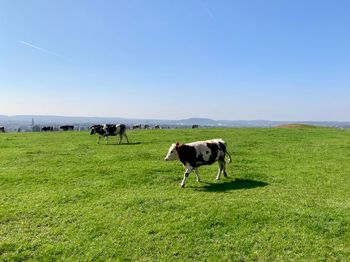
point(273, 59)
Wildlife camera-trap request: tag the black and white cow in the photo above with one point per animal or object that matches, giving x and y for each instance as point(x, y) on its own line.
point(67, 128)
point(2, 129)
point(199, 153)
point(47, 128)
point(107, 130)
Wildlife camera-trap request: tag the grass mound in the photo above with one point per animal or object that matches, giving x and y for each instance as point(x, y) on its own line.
point(296, 126)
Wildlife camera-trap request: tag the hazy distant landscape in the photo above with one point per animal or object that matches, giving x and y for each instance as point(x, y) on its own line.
point(12, 123)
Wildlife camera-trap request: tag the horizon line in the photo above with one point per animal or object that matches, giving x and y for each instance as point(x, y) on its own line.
point(160, 119)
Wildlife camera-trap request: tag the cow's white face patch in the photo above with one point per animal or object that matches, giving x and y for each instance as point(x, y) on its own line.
point(172, 153)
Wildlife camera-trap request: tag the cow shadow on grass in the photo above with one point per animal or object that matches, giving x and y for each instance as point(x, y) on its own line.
point(123, 144)
point(235, 184)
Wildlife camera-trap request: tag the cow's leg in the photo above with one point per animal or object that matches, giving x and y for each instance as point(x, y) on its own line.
point(224, 168)
point(186, 175)
point(221, 168)
point(196, 171)
point(99, 137)
point(127, 140)
point(106, 137)
point(222, 165)
point(120, 138)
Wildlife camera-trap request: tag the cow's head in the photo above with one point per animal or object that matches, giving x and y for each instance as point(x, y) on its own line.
point(94, 129)
point(172, 153)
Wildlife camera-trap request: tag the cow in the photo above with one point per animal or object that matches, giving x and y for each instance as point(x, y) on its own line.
point(2, 129)
point(47, 128)
point(157, 127)
point(195, 126)
point(146, 127)
point(138, 126)
point(107, 130)
point(196, 154)
point(67, 128)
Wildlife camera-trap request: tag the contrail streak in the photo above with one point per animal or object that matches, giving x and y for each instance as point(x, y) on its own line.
point(41, 49)
point(209, 12)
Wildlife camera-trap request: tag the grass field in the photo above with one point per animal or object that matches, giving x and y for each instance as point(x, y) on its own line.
point(63, 197)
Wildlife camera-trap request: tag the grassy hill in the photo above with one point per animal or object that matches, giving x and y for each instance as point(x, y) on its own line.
point(65, 197)
point(296, 126)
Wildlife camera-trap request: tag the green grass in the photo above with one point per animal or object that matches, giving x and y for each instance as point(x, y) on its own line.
point(63, 197)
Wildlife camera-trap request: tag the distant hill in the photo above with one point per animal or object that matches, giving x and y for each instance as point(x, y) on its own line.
point(23, 120)
point(198, 121)
point(296, 126)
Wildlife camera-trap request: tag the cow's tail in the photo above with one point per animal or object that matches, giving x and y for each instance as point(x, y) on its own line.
point(229, 160)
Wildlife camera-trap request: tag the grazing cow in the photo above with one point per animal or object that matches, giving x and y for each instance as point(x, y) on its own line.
point(67, 128)
point(47, 128)
point(138, 126)
point(195, 126)
point(157, 127)
point(2, 129)
point(146, 127)
point(109, 130)
point(199, 153)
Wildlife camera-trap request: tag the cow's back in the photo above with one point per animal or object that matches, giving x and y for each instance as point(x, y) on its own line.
point(207, 152)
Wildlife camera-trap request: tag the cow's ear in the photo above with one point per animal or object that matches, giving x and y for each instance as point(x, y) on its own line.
point(177, 143)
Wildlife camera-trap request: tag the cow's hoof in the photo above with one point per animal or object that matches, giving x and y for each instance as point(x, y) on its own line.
point(182, 186)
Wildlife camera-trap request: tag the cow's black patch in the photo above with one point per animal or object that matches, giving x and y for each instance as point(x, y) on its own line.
point(222, 146)
point(187, 154)
point(200, 159)
point(110, 130)
point(214, 148)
